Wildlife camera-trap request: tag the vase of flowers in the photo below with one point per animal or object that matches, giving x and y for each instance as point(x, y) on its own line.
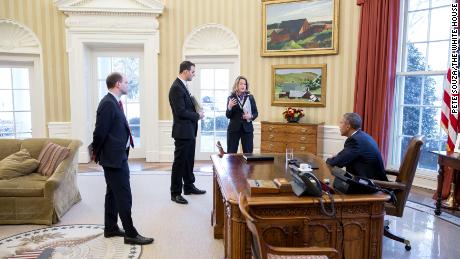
point(293, 114)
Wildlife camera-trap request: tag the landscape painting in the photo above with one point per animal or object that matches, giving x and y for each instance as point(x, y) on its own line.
point(299, 85)
point(299, 27)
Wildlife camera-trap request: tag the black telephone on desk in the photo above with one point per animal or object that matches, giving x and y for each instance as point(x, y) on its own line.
point(352, 184)
point(305, 183)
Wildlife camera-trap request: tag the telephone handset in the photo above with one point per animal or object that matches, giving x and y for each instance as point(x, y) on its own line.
point(352, 184)
point(305, 183)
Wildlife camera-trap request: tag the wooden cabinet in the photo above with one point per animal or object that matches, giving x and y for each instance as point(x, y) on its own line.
point(276, 136)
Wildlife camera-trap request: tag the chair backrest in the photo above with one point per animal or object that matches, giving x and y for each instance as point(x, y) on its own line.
point(251, 223)
point(268, 234)
point(406, 175)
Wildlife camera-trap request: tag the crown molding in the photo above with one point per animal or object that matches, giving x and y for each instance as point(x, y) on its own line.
point(111, 23)
point(111, 7)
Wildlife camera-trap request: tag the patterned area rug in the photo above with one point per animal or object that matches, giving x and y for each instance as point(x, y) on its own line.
point(69, 241)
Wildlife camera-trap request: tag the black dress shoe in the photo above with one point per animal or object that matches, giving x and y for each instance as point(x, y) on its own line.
point(138, 240)
point(179, 199)
point(116, 233)
point(194, 190)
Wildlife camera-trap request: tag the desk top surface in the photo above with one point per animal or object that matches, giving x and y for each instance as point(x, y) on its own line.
point(232, 172)
point(453, 155)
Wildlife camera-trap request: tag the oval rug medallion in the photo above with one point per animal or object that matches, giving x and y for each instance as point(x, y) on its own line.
point(68, 241)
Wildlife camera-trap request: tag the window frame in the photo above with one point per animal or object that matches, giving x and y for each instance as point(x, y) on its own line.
point(401, 74)
point(36, 88)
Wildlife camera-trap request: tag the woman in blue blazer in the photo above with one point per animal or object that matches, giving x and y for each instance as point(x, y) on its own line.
point(241, 110)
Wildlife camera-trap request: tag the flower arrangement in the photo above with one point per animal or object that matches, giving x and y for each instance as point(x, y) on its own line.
point(293, 114)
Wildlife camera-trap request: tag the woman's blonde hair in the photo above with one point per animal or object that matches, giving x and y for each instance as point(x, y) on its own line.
point(237, 81)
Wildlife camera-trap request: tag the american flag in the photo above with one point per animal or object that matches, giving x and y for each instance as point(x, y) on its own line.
point(449, 121)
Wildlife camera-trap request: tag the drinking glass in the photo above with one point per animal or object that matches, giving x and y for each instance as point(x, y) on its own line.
point(289, 153)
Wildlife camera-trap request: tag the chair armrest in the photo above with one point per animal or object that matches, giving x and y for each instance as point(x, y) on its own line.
point(314, 250)
point(392, 172)
point(390, 185)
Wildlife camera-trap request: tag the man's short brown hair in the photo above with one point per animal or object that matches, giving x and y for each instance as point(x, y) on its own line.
point(112, 79)
point(185, 65)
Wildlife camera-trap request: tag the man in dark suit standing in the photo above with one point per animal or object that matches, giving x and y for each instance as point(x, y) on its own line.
point(111, 141)
point(185, 126)
point(360, 154)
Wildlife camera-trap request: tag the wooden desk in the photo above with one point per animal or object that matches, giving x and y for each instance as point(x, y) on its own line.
point(360, 215)
point(444, 159)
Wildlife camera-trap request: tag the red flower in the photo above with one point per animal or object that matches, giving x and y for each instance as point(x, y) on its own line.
point(291, 113)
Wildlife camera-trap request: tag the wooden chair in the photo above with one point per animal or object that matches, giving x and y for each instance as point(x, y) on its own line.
point(402, 185)
point(261, 249)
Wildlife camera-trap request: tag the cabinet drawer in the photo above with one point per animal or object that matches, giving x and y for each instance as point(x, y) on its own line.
point(288, 138)
point(280, 147)
point(289, 128)
point(301, 130)
point(273, 128)
point(303, 148)
point(273, 147)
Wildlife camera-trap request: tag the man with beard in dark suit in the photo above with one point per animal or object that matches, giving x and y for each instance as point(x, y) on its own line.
point(360, 155)
point(111, 141)
point(185, 126)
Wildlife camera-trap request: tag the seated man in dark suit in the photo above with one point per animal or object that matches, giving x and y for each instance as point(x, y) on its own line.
point(360, 154)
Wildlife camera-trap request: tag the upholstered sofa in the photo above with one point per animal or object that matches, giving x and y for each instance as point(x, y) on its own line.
point(35, 198)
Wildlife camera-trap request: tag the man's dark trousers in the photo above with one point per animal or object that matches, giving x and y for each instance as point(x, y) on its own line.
point(184, 159)
point(118, 199)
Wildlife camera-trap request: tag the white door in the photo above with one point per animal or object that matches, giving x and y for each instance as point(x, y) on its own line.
point(212, 86)
point(129, 64)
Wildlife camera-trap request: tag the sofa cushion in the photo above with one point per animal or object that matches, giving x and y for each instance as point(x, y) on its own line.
point(31, 185)
point(36, 145)
point(17, 164)
point(50, 157)
point(9, 146)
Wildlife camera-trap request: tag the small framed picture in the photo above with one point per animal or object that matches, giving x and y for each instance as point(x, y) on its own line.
point(299, 85)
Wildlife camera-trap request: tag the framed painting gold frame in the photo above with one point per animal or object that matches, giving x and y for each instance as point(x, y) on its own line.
point(312, 28)
point(299, 85)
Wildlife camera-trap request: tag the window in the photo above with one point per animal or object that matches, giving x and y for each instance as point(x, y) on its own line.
point(214, 89)
point(420, 78)
point(128, 66)
point(15, 108)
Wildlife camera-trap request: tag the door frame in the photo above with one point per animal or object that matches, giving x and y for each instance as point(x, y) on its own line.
point(137, 152)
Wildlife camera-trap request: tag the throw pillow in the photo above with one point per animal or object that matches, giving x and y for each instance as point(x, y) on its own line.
point(17, 164)
point(50, 157)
